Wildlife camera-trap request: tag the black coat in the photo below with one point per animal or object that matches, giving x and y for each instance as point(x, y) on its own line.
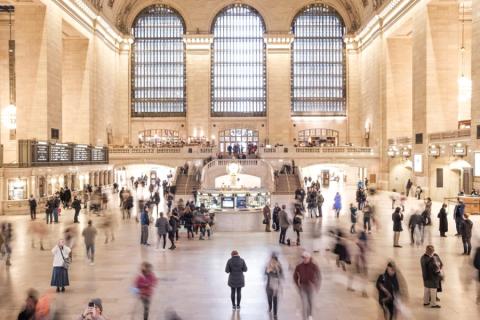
point(443, 224)
point(397, 221)
point(235, 268)
point(431, 267)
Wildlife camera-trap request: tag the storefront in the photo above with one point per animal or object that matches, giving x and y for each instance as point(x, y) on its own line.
point(234, 200)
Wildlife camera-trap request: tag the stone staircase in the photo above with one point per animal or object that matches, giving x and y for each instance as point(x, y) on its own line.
point(286, 183)
point(185, 184)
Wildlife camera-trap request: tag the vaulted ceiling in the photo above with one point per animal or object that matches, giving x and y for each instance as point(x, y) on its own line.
point(122, 12)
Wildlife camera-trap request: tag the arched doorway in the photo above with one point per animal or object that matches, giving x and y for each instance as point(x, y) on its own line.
point(237, 136)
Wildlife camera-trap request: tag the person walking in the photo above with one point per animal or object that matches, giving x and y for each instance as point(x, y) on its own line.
point(235, 268)
point(443, 221)
point(28, 311)
point(367, 217)
point(61, 263)
point(267, 217)
point(274, 274)
point(144, 222)
point(284, 223)
point(458, 215)
point(32, 203)
point(353, 217)
point(432, 275)
point(162, 226)
point(89, 234)
point(188, 219)
point(144, 284)
point(307, 278)
point(320, 201)
point(416, 225)
point(428, 211)
point(397, 218)
point(466, 232)
point(476, 264)
point(172, 231)
point(337, 204)
point(408, 187)
point(6, 238)
point(77, 206)
point(297, 223)
point(275, 217)
point(388, 288)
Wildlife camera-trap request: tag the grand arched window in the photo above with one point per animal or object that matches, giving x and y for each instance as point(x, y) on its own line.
point(318, 62)
point(238, 63)
point(158, 63)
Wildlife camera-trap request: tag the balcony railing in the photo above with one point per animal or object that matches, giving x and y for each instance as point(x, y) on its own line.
point(460, 134)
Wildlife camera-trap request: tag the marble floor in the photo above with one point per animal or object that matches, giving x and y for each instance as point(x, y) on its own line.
point(192, 280)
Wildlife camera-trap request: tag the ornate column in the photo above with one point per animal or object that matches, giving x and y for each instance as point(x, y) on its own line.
point(278, 87)
point(198, 60)
point(476, 81)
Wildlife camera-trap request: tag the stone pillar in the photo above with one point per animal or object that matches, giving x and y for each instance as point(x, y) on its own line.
point(198, 60)
point(121, 131)
point(475, 80)
point(279, 122)
point(435, 74)
point(76, 91)
point(354, 134)
point(38, 33)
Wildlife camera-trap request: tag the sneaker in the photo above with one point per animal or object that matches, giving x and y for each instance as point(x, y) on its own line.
point(436, 306)
point(238, 307)
point(234, 307)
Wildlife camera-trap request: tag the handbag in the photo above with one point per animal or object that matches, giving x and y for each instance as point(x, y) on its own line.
point(66, 262)
point(264, 221)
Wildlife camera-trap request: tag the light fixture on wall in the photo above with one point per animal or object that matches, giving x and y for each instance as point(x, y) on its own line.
point(464, 83)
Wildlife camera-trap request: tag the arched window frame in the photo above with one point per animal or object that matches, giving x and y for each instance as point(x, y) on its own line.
point(235, 103)
point(318, 92)
point(156, 107)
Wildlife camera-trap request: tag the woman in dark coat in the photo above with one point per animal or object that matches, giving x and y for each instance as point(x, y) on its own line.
point(388, 288)
point(397, 218)
point(443, 225)
point(236, 281)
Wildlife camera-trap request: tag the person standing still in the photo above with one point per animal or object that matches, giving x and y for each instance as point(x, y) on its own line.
point(60, 273)
point(432, 276)
point(458, 215)
point(353, 218)
point(284, 223)
point(443, 221)
point(77, 206)
point(89, 234)
point(144, 222)
point(162, 229)
point(466, 232)
point(235, 268)
point(144, 284)
point(337, 204)
point(307, 277)
point(49, 211)
point(320, 200)
point(367, 215)
point(397, 218)
point(32, 203)
point(408, 187)
point(267, 217)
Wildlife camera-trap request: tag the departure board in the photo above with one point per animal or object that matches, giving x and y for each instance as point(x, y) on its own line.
point(41, 152)
point(81, 153)
point(60, 153)
point(98, 155)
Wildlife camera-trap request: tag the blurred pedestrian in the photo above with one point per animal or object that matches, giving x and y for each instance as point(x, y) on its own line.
point(353, 218)
point(172, 231)
point(388, 288)
point(367, 217)
point(28, 311)
point(144, 284)
point(6, 235)
point(397, 218)
point(284, 223)
point(40, 230)
point(235, 268)
point(89, 234)
point(307, 278)
point(162, 226)
point(337, 204)
point(476, 264)
point(274, 275)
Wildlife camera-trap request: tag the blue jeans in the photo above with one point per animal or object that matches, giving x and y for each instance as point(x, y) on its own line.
point(55, 215)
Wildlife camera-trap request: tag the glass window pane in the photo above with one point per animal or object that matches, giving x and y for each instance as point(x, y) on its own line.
point(318, 62)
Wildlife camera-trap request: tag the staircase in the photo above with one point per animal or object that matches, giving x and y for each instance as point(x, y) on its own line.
point(185, 184)
point(286, 183)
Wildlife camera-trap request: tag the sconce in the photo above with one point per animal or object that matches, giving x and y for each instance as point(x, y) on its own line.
point(434, 151)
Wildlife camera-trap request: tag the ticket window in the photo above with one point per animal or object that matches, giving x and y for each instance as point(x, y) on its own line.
point(325, 174)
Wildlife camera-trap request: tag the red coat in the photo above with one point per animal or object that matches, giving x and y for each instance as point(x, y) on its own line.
point(145, 284)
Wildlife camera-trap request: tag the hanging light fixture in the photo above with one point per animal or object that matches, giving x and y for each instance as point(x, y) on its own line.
point(464, 83)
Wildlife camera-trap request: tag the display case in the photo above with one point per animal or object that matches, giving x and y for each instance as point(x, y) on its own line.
point(17, 189)
point(238, 200)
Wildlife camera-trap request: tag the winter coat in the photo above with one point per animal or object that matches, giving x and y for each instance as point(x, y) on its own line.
point(337, 202)
point(235, 268)
point(297, 223)
point(353, 215)
point(162, 226)
point(397, 218)
point(283, 219)
point(145, 284)
point(443, 224)
point(466, 229)
point(431, 267)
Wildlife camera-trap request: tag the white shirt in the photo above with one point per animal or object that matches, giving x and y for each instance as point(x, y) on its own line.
point(57, 255)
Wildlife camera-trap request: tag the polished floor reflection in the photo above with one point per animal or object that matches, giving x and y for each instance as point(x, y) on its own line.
point(193, 281)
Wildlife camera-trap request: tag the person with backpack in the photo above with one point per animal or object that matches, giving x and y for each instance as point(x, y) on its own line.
point(77, 206)
point(274, 274)
point(388, 288)
point(353, 218)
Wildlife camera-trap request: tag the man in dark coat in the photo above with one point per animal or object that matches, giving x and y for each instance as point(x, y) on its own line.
point(397, 218)
point(235, 268)
point(77, 206)
point(267, 217)
point(431, 272)
point(476, 264)
point(32, 203)
point(443, 222)
point(284, 224)
point(388, 288)
point(458, 215)
point(275, 217)
point(408, 187)
point(416, 220)
point(466, 232)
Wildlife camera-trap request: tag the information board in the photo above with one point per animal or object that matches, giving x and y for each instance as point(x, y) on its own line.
point(98, 155)
point(81, 153)
point(41, 153)
point(59, 153)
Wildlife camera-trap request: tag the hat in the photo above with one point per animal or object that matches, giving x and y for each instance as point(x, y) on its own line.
point(306, 254)
point(97, 302)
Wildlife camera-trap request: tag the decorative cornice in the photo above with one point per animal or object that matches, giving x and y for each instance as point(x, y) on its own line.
point(198, 42)
point(278, 41)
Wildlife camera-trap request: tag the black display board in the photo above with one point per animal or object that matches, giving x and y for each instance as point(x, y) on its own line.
point(81, 153)
point(40, 153)
point(46, 153)
point(99, 154)
point(60, 153)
